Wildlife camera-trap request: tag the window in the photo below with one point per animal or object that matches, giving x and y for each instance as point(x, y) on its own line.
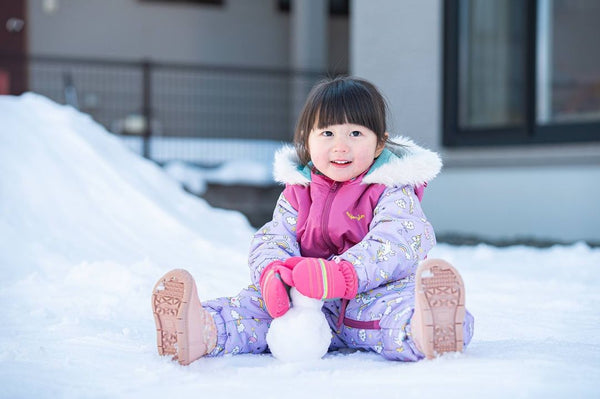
point(336, 7)
point(521, 71)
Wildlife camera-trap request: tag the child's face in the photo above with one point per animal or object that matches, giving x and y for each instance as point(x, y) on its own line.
point(342, 152)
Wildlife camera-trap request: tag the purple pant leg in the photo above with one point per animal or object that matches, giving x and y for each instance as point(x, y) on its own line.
point(242, 323)
point(393, 306)
point(468, 328)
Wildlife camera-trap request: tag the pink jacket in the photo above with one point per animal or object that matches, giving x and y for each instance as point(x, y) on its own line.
point(332, 216)
point(373, 221)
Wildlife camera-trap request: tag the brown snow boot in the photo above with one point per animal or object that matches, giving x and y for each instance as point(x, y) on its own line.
point(184, 329)
point(437, 323)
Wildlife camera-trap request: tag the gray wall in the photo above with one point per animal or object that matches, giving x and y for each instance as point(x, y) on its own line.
point(545, 192)
point(241, 32)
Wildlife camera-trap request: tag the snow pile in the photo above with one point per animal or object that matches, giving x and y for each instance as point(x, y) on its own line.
point(302, 334)
point(87, 228)
point(71, 193)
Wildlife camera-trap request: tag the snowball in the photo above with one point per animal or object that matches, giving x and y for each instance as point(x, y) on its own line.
point(302, 334)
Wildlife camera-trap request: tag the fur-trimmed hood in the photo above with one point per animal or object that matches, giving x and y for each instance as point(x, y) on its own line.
point(399, 165)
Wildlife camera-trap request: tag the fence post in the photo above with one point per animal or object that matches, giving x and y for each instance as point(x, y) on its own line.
point(147, 105)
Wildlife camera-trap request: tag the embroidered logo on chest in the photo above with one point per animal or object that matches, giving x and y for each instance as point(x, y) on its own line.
point(353, 217)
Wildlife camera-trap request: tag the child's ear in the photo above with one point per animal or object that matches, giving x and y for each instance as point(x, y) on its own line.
point(381, 145)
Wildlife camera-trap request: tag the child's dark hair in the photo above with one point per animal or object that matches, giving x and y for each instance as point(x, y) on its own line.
point(337, 101)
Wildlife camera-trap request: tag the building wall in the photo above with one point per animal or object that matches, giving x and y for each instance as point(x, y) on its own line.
point(240, 33)
point(543, 192)
point(213, 104)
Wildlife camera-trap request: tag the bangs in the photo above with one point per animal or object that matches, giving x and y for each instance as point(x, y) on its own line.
point(349, 102)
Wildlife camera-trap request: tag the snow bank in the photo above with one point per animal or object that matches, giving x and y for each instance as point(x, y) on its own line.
point(72, 192)
point(87, 227)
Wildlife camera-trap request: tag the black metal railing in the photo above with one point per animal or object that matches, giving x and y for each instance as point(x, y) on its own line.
point(165, 100)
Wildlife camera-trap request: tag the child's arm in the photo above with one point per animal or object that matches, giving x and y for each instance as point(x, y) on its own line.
point(276, 240)
point(399, 237)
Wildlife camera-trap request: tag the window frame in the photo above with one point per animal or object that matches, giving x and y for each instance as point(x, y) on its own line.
point(337, 8)
point(530, 132)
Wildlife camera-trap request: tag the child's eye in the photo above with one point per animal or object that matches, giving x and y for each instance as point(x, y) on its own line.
point(355, 133)
point(327, 133)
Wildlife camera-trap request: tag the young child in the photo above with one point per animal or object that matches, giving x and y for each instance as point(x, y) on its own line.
point(349, 229)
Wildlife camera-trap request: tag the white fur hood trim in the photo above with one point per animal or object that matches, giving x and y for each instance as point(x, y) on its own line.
point(287, 168)
point(412, 164)
point(408, 163)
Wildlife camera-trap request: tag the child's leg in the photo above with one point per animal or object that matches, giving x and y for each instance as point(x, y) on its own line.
point(380, 320)
point(184, 329)
point(188, 330)
point(242, 323)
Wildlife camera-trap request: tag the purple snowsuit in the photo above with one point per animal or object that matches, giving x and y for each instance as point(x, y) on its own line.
point(375, 222)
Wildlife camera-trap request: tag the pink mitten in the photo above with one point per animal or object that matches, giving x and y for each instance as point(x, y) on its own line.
point(324, 279)
point(273, 289)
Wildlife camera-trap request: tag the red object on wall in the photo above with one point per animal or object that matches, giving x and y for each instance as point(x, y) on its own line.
point(4, 82)
point(13, 47)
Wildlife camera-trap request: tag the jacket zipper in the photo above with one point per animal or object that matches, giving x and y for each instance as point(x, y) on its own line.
point(325, 216)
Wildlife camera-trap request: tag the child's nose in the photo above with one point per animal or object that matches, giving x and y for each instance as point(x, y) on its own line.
point(340, 145)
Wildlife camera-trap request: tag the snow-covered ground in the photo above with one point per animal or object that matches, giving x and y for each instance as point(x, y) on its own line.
point(87, 227)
